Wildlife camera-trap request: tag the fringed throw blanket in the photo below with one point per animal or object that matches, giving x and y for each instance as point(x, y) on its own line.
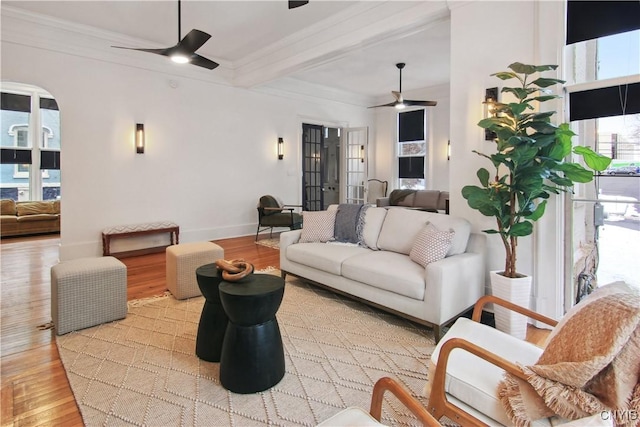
point(346, 225)
point(398, 195)
point(591, 364)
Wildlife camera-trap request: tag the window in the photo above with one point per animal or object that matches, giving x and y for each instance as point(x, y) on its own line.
point(412, 149)
point(26, 112)
point(604, 110)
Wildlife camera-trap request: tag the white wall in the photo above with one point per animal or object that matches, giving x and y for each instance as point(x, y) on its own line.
point(210, 154)
point(383, 149)
point(486, 37)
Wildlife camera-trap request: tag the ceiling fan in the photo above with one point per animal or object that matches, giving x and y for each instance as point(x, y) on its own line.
point(400, 102)
point(185, 50)
point(293, 4)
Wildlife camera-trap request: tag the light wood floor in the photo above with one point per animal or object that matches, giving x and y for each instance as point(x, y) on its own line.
point(34, 386)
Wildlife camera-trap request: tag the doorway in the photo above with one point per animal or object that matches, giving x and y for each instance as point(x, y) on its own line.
point(320, 166)
point(334, 166)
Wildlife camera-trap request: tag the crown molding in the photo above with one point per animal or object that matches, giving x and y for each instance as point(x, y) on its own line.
point(363, 25)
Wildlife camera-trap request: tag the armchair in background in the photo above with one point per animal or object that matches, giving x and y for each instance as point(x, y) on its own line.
point(376, 189)
point(273, 214)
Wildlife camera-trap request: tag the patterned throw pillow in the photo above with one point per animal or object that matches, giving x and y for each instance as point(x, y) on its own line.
point(317, 226)
point(431, 245)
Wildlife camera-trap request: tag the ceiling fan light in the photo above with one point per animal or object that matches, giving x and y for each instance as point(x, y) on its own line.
point(400, 105)
point(179, 58)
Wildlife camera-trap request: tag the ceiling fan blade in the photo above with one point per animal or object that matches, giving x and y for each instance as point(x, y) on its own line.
point(293, 4)
point(201, 61)
point(391, 104)
point(193, 40)
point(157, 51)
point(421, 103)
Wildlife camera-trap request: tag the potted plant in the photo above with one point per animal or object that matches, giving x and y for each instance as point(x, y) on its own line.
point(530, 164)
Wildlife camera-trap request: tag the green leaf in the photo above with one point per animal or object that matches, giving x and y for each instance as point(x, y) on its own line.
point(542, 127)
point(483, 176)
point(517, 109)
point(539, 116)
point(543, 140)
point(594, 160)
point(505, 75)
point(544, 82)
point(575, 172)
point(491, 231)
point(519, 92)
point(537, 214)
point(521, 68)
point(521, 229)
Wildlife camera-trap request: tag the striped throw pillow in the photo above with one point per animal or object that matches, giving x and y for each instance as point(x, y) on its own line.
point(431, 245)
point(317, 226)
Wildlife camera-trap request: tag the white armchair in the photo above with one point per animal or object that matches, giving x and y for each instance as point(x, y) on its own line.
point(469, 366)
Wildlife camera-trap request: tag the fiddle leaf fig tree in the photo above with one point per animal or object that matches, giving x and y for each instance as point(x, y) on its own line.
point(531, 160)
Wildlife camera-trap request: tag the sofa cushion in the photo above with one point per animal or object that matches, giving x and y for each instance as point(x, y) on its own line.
point(390, 271)
point(431, 245)
point(407, 201)
point(8, 219)
point(7, 207)
point(426, 199)
point(37, 217)
point(317, 226)
point(323, 256)
point(34, 208)
point(401, 227)
point(373, 220)
point(475, 381)
point(460, 226)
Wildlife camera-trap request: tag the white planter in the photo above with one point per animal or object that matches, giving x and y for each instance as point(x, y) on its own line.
point(517, 291)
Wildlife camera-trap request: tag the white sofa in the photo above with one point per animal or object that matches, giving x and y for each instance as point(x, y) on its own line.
point(380, 272)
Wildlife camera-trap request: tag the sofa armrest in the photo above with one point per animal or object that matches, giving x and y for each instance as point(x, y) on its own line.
point(288, 238)
point(382, 201)
point(454, 284)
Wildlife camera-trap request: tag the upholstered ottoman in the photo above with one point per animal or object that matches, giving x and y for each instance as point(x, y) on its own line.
point(182, 262)
point(86, 292)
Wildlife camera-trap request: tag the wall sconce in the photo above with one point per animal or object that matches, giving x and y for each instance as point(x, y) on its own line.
point(490, 100)
point(139, 138)
point(449, 150)
point(280, 149)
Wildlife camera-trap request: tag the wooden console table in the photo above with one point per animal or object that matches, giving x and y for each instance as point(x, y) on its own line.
point(138, 230)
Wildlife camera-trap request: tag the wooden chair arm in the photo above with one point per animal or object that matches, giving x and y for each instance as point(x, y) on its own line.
point(477, 310)
point(291, 206)
point(278, 209)
point(438, 403)
point(403, 395)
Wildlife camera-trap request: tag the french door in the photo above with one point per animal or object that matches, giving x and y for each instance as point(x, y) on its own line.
point(354, 141)
point(312, 167)
point(334, 166)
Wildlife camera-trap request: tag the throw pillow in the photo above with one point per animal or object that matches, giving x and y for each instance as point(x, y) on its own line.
point(317, 226)
point(431, 245)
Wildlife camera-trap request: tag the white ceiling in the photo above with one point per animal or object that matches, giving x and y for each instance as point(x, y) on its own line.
point(348, 45)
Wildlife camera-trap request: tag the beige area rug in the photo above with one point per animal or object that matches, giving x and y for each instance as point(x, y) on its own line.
point(143, 370)
point(273, 243)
